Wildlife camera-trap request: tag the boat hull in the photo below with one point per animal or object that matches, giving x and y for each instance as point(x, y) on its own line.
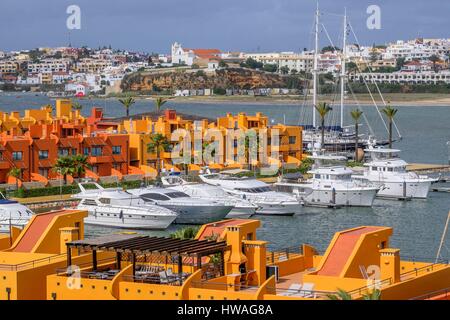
point(287, 209)
point(345, 198)
point(127, 221)
point(407, 189)
point(241, 212)
point(198, 214)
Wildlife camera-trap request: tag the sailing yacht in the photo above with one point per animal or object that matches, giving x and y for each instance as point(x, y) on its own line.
point(120, 209)
point(330, 186)
point(241, 208)
point(257, 192)
point(12, 213)
point(190, 210)
point(338, 137)
point(388, 171)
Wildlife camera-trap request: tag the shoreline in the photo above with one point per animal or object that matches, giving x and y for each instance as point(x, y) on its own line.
point(412, 100)
point(395, 99)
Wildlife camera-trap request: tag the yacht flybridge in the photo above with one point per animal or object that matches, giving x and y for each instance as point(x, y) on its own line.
point(388, 171)
point(12, 213)
point(190, 210)
point(120, 209)
point(269, 202)
point(331, 185)
point(241, 208)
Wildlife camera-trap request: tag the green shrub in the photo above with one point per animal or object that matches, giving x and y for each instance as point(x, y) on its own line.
point(69, 189)
point(219, 91)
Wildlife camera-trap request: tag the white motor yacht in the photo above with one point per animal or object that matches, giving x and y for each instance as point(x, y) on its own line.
point(388, 172)
point(259, 193)
point(190, 210)
point(12, 214)
point(120, 209)
point(330, 185)
point(241, 208)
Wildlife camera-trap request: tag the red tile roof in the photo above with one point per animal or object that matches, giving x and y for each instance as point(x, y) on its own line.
point(205, 53)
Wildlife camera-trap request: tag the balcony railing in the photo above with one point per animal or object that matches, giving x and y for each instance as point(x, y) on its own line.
point(377, 284)
point(33, 263)
point(280, 255)
point(433, 294)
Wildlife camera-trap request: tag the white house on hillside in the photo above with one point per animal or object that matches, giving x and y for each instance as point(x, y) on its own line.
point(179, 55)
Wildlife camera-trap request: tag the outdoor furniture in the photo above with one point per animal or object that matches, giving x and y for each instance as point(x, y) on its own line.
point(291, 290)
point(163, 277)
point(113, 272)
point(307, 290)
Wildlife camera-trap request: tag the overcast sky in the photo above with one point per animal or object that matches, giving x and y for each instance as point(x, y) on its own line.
point(247, 25)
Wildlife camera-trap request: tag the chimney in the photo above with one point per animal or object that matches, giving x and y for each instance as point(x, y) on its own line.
point(390, 264)
point(236, 257)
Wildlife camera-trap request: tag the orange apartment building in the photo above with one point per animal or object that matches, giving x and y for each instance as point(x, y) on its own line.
point(290, 144)
point(34, 142)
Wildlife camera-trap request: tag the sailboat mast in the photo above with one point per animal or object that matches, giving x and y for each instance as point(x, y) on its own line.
point(343, 69)
point(315, 68)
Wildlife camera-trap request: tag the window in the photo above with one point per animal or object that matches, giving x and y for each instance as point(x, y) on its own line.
point(177, 195)
point(17, 155)
point(63, 152)
point(292, 139)
point(43, 172)
point(86, 151)
point(74, 152)
point(154, 196)
point(96, 151)
point(105, 200)
point(43, 154)
point(116, 149)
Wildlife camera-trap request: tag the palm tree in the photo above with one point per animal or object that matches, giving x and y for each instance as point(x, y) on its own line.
point(80, 163)
point(185, 233)
point(77, 106)
point(159, 102)
point(127, 103)
point(340, 295)
point(250, 149)
point(158, 142)
point(65, 166)
point(16, 173)
point(356, 114)
point(323, 108)
point(434, 58)
point(374, 295)
point(351, 67)
point(390, 113)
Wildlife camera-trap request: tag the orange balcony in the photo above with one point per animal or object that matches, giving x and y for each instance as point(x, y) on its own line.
point(100, 159)
point(4, 165)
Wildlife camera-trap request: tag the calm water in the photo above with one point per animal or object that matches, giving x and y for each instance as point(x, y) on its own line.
point(418, 224)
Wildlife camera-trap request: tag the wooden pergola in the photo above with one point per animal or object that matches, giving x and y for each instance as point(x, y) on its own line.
point(136, 245)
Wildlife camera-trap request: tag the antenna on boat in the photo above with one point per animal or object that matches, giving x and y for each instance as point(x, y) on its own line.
point(343, 61)
point(315, 68)
point(442, 238)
